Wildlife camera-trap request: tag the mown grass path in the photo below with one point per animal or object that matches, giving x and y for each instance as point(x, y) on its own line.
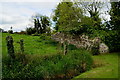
point(106, 67)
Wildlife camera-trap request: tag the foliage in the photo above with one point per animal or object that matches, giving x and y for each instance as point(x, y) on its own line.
point(71, 17)
point(94, 10)
point(95, 49)
point(115, 16)
point(86, 26)
point(67, 16)
point(48, 66)
point(41, 23)
point(10, 31)
point(30, 30)
point(113, 39)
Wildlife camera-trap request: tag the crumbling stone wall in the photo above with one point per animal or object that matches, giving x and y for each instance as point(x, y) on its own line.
point(82, 41)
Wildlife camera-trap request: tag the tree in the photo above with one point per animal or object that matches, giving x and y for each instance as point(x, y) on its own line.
point(113, 40)
point(41, 23)
point(115, 15)
point(67, 17)
point(45, 23)
point(93, 9)
point(10, 31)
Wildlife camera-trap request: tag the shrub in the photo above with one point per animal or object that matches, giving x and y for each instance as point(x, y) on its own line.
point(113, 41)
point(30, 30)
point(10, 31)
point(35, 34)
point(95, 50)
point(49, 66)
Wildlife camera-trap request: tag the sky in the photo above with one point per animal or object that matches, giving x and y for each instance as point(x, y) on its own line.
point(17, 13)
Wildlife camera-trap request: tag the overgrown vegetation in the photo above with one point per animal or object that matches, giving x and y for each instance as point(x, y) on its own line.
point(105, 66)
point(71, 18)
point(48, 66)
point(41, 57)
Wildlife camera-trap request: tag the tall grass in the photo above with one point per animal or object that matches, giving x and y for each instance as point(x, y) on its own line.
point(48, 66)
point(41, 59)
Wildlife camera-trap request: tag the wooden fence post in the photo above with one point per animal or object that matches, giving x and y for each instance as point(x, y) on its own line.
point(21, 45)
point(10, 47)
point(65, 48)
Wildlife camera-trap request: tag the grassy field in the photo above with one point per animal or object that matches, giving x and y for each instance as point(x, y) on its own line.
point(106, 67)
point(41, 59)
point(32, 44)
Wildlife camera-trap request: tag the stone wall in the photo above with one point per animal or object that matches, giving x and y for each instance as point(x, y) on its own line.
point(82, 41)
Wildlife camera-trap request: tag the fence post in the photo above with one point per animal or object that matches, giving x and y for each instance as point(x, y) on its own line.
point(21, 45)
point(65, 48)
point(10, 47)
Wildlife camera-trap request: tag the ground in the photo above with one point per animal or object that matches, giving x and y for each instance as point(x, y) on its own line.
point(106, 67)
point(32, 44)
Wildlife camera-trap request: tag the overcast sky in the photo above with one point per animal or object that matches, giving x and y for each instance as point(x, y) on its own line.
point(17, 13)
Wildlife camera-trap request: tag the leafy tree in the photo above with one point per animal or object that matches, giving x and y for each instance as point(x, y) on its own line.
point(67, 17)
point(48, 30)
point(41, 23)
point(113, 40)
point(115, 15)
point(93, 9)
point(10, 31)
point(30, 30)
point(45, 23)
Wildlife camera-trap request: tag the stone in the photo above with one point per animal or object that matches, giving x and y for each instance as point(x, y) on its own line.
point(82, 41)
point(103, 48)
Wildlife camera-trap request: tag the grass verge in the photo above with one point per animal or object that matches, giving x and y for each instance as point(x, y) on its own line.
point(106, 66)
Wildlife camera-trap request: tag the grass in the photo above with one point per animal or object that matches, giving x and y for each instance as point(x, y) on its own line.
point(106, 67)
point(41, 59)
point(32, 44)
point(48, 66)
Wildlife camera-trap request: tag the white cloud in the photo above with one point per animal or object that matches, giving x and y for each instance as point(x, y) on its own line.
point(17, 14)
point(29, 0)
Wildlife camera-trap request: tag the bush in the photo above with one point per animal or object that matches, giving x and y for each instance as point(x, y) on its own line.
point(35, 34)
point(30, 30)
point(113, 41)
point(10, 31)
point(95, 50)
point(49, 66)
